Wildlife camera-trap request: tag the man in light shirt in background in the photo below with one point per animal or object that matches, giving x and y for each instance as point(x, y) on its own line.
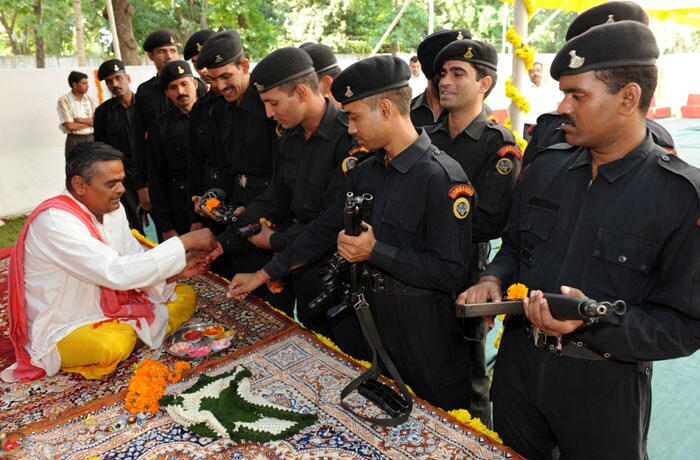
point(76, 111)
point(542, 97)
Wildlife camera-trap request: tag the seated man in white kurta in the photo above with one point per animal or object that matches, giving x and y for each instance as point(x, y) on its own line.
point(82, 290)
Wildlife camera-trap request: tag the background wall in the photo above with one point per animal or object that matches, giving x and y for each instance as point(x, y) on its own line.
point(31, 144)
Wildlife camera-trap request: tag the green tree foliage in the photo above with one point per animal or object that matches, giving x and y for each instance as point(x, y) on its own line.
point(349, 26)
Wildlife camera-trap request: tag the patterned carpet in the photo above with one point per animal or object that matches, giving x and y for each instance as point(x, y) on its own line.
point(48, 401)
point(293, 370)
point(68, 417)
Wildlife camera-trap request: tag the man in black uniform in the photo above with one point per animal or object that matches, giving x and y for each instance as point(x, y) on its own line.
point(596, 222)
point(418, 236)
point(425, 107)
point(488, 154)
point(547, 132)
point(151, 102)
point(192, 48)
point(326, 66)
point(114, 125)
point(315, 156)
point(246, 143)
point(169, 151)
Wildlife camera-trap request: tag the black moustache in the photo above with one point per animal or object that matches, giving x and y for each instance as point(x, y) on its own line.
point(565, 119)
point(182, 96)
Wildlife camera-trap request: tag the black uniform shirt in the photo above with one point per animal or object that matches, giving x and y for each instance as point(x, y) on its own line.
point(488, 154)
point(421, 113)
point(309, 175)
point(420, 215)
point(204, 166)
point(632, 233)
point(247, 139)
point(548, 132)
point(169, 149)
point(150, 103)
point(114, 125)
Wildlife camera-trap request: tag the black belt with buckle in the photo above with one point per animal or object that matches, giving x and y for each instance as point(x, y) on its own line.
point(247, 181)
point(561, 345)
point(385, 284)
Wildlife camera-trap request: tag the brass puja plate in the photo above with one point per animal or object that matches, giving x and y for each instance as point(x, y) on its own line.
point(197, 341)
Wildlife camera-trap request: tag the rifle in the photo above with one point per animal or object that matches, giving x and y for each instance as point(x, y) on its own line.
point(396, 405)
point(562, 308)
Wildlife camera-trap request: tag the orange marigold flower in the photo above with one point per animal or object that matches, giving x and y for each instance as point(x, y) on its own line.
point(212, 203)
point(517, 291)
point(148, 383)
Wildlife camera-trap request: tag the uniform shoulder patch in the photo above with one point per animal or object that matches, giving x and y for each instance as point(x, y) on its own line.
point(461, 207)
point(459, 190)
point(510, 150)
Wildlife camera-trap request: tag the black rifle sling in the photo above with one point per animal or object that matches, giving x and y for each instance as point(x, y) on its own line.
point(369, 330)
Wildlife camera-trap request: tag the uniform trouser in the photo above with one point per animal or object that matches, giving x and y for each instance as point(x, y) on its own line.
point(95, 350)
point(547, 406)
point(130, 201)
point(74, 139)
point(422, 337)
point(475, 331)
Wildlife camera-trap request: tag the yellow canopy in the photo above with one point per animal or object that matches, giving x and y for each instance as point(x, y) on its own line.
point(680, 11)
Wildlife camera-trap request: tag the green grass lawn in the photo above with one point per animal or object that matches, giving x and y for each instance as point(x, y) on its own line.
point(10, 231)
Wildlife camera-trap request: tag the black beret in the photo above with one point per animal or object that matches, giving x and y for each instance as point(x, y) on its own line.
point(605, 13)
point(162, 37)
point(222, 48)
point(322, 56)
point(370, 76)
point(433, 44)
point(172, 71)
point(110, 67)
point(473, 51)
point(279, 67)
point(618, 44)
point(195, 42)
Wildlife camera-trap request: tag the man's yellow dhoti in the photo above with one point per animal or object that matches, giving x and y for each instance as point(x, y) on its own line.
point(96, 349)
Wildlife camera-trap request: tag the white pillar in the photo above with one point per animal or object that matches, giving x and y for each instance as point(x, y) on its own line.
point(519, 74)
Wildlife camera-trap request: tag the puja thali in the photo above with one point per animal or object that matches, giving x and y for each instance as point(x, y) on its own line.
point(195, 341)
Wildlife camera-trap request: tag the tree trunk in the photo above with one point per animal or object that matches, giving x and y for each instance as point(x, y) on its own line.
point(123, 12)
point(203, 17)
point(79, 33)
point(38, 35)
point(10, 30)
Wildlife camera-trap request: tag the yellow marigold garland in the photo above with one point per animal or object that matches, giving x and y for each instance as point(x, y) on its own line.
point(518, 99)
point(148, 383)
point(464, 416)
point(100, 96)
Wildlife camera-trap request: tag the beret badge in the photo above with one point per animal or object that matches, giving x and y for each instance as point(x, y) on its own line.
point(172, 39)
point(611, 18)
point(199, 47)
point(116, 68)
point(218, 58)
point(348, 92)
point(180, 70)
point(259, 87)
point(469, 54)
point(460, 36)
point(576, 61)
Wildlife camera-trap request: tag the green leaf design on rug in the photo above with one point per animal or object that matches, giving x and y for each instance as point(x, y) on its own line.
point(222, 406)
